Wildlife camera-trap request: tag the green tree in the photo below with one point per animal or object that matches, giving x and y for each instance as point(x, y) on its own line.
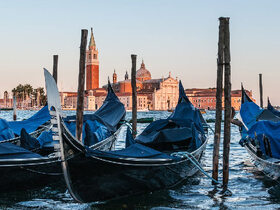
point(22, 92)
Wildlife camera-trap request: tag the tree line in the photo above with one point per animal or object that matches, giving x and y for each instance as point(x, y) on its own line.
point(27, 94)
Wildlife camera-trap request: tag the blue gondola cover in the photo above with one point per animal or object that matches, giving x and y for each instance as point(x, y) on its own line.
point(11, 151)
point(261, 124)
point(5, 131)
point(101, 124)
point(270, 130)
point(95, 132)
point(133, 151)
point(183, 124)
point(32, 123)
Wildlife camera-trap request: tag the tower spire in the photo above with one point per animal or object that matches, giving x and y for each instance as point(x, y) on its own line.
point(142, 64)
point(126, 76)
point(92, 41)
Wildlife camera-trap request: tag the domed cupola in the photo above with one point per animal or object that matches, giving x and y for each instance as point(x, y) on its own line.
point(143, 74)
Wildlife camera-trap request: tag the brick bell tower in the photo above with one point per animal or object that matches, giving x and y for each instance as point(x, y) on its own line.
point(92, 65)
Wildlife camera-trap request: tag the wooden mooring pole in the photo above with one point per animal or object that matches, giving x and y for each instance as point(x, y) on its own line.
point(55, 61)
point(134, 95)
point(223, 62)
point(227, 99)
point(261, 90)
point(81, 86)
point(14, 108)
point(219, 94)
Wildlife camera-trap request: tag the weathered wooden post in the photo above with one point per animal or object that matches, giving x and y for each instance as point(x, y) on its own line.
point(81, 86)
point(219, 94)
point(55, 61)
point(14, 107)
point(227, 96)
point(134, 95)
point(261, 90)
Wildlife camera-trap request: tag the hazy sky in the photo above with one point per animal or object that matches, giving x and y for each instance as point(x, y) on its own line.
point(170, 35)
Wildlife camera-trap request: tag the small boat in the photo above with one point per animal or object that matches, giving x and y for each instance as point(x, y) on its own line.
point(6, 109)
point(21, 168)
point(161, 157)
point(144, 120)
point(260, 131)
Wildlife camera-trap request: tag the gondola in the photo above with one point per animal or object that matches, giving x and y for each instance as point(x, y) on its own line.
point(21, 168)
point(260, 135)
point(164, 155)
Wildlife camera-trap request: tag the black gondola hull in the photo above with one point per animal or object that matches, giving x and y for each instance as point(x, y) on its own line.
point(93, 179)
point(16, 177)
point(33, 173)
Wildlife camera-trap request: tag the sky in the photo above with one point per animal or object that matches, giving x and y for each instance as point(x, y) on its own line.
point(178, 36)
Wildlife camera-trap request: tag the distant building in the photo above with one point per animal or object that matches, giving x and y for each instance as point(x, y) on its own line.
point(160, 94)
point(92, 65)
point(206, 98)
point(6, 102)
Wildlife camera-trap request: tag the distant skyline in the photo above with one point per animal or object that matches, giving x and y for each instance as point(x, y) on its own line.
point(180, 36)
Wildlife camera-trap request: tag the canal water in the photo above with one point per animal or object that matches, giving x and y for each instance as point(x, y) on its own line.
point(250, 188)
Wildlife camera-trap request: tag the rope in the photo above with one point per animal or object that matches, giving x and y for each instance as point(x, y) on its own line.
point(197, 165)
point(208, 126)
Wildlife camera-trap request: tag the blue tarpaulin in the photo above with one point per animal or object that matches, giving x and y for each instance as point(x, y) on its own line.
point(11, 151)
point(182, 125)
point(270, 130)
point(109, 114)
point(32, 123)
point(5, 131)
point(29, 142)
point(133, 151)
point(101, 124)
point(250, 112)
point(261, 124)
point(95, 132)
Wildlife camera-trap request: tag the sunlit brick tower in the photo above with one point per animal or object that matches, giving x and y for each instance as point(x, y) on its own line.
point(114, 77)
point(92, 65)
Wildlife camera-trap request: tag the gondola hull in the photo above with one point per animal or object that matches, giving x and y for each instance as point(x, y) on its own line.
point(270, 167)
point(31, 173)
point(18, 176)
point(95, 179)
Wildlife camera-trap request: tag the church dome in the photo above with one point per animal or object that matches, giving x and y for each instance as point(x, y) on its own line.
point(143, 74)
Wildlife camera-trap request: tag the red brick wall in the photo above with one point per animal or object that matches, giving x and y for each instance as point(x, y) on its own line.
point(92, 77)
point(125, 87)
